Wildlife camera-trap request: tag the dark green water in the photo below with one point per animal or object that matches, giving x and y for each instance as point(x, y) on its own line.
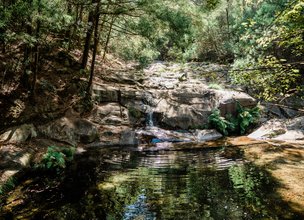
point(126, 184)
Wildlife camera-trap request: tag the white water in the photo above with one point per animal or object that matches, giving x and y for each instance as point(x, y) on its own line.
point(149, 119)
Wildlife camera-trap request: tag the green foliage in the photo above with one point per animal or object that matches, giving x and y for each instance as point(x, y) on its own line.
point(51, 15)
point(8, 185)
point(85, 103)
point(264, 39)
point(246, 117)
point(135, 113)
point(56, 158)
point(239, 124)
point(215, 86)
point(166, 31)
point(290, 28)
point(219, 122)
point(266, 48)
point(270, 78)
point(254, 35)
point(248, 179)
point(139, 49)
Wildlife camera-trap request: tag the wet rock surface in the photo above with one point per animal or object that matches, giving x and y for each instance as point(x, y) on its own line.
point(158, 135)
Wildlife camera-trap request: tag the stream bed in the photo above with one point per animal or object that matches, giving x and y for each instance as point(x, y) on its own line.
point(124, 183)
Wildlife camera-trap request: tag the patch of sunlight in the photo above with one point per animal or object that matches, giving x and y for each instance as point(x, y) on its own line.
point(106, 186)
point(113, 182)
point(25, 159)
point(215, 86)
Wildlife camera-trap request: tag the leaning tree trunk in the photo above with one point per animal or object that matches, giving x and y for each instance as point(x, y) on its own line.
point(87, 44)
point(96, 41)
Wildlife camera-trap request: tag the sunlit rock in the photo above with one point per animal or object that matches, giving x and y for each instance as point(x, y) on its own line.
point(281, 129)
point(110, 114)
point(19, 134)
point(179, 104)
point(207, 135)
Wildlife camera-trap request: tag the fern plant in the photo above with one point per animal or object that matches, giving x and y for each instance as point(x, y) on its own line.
point(246, 117)
point(239, 124)
point(219, 122)
point(7, 186)
point(56, 158)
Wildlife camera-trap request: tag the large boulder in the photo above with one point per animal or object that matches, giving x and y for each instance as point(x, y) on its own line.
point(228, 101)
point(71, 131)
point(281, 129)
point(19, 134)
point(110, 114)
point(128, 137)
point(207, 135)
point(190, 108)
point(178, 95)
point(105, 93)
point(115, 135)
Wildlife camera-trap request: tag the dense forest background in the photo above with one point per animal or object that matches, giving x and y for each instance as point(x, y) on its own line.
point(75, 73)
point(262, 40)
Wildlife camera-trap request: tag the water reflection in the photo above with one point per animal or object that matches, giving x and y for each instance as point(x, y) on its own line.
point(122, 184)
point(139, 210)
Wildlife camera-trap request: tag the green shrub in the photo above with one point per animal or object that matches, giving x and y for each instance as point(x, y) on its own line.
point(56, 158)
point(239, 124)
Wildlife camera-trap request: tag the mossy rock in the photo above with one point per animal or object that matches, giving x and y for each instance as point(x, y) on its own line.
point(135, 113)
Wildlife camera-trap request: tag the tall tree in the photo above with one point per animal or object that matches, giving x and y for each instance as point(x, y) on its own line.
point(96, 42)
point(89, 33)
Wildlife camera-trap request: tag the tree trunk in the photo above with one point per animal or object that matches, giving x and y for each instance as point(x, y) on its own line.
point(74, 27)
point(2, 40)
point(108, 38)
point(227, 19)
point(68, 33)
point(81, 14)
point(27, 53)
point(35, 73)
point(2, 32)
point(36, 59)
point(87, 44)
point(96, 42)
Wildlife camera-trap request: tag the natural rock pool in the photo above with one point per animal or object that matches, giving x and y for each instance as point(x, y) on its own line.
point(121, 183)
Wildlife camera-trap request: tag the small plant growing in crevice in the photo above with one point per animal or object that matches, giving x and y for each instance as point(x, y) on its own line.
point(233, 125)
point(7, 186)
point(134, 113)
point(56, 158)
point(246, 117)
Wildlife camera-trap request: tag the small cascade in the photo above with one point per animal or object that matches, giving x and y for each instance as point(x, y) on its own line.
point(149, 119)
